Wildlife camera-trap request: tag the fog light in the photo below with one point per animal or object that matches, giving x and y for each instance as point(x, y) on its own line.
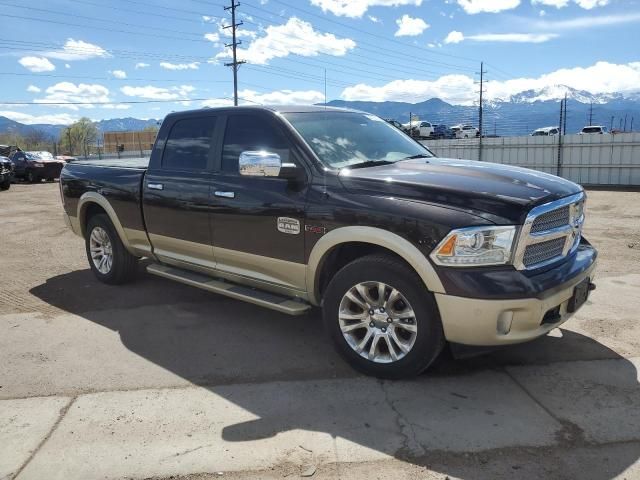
point(505, 319)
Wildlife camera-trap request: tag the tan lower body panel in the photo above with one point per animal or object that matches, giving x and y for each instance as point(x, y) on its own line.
point(183, 252)
point(471, 321)
point(266, 269)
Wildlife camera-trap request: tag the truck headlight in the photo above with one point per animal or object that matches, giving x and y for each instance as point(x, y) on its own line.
point(475, 246)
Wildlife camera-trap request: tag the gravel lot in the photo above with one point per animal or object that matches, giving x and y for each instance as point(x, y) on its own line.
point(159, 380)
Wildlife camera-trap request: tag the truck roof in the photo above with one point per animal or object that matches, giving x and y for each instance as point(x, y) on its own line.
point(271, 108)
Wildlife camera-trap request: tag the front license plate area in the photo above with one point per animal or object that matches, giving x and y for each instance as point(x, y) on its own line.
point(580, 295)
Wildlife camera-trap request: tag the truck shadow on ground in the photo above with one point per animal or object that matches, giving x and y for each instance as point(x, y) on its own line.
point(517, 412)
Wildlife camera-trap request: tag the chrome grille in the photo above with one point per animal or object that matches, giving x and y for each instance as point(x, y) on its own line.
point(550, 232)
point(553, 219)
point(543, 251)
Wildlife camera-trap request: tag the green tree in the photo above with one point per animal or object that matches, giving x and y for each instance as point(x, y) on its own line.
point(79, 136)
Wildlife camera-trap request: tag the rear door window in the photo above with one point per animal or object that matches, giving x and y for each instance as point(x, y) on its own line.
point(188, 146)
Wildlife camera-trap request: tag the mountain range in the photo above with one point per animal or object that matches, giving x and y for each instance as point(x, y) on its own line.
point(518, 114)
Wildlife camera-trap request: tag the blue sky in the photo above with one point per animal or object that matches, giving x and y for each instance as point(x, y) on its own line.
point(93, 55)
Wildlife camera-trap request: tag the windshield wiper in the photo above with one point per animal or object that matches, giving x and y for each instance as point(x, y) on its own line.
point(370, 163)
point(419, 155)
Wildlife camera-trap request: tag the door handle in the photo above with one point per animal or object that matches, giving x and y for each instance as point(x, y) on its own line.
point(155, 186)
point(225, 194)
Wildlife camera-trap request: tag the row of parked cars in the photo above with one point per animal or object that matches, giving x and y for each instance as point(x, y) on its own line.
point(588, 130)
point(427, 130)
point(31, 167)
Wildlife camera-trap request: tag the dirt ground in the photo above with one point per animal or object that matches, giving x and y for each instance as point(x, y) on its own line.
point(161, 380)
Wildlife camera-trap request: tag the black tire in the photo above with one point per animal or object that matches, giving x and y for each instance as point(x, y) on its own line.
point(124, 265)
point(6, 184)
point(429, 339)
point(51, 179)
point(31, 177)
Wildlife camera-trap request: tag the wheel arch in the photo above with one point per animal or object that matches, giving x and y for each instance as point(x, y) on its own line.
point(92, 202)
point(376, 238)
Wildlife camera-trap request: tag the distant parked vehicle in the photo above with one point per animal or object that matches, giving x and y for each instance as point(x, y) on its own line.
point(411, 128)
point(465, 131)
point(424, 129)
point(442, 131)
point(6, 173)
point(545, 132)
point(34, 166)
point(593, 130)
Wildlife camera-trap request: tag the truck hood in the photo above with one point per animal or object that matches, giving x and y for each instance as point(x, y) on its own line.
point(499, 193)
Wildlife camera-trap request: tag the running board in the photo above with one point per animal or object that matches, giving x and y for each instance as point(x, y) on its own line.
point(239, 292)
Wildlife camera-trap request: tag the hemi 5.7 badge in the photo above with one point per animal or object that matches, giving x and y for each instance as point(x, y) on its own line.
point(288, 225)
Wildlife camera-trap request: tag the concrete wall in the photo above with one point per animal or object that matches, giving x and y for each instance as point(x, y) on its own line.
point(585, 159)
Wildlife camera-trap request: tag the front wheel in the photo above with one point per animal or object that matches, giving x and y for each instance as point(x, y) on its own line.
point(6, 184)
point(382, 319)
point(31, 177)
point(110, 261)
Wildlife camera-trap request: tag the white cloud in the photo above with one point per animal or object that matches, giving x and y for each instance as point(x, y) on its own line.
point(56, 119)
point(150, 92)
point(180, 66)
point(600, 78)
point(586, 4)
point(66, 65)
point(454, 37)
point(410, 27)
point(283, 97)
point(357, 8)
point(295, 37)
point(579, 23)
point(78, 50)
point(374, 19)
point(37, 64)
point(70, 92)
point(487, 6)
point(142, 65)
point(118, 73)
point(217, 102)
point(513, 37)
point(212, 37)
point(33, 89)
point(208, 19)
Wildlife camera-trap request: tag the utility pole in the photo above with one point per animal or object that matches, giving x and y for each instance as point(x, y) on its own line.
point(611, 124)
point(625, 122)
point(69, 140)
point(235, 64)
point(325, 88)
point(564, 127)
point(591, 114)
point(562, 102)
point(482, 72)
point(631, 129)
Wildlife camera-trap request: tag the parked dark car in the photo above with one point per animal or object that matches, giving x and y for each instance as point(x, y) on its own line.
point(395, 123)
point(35, 166)
point(442, 131)
point(294, 207)
point(6, 173)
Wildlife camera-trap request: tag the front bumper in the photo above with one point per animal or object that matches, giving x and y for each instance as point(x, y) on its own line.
point(503, 321)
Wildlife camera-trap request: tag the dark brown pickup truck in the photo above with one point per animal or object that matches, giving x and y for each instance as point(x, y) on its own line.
point(295, 207)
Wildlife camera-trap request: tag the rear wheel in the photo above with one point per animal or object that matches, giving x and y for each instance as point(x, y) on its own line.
point(110, 261)
point(382, 319)
point(6, 183)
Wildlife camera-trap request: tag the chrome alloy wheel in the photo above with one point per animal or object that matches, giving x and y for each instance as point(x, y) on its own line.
point(101, 250)
point(377, 322)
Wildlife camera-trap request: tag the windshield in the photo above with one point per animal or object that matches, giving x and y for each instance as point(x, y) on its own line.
point(343, 139)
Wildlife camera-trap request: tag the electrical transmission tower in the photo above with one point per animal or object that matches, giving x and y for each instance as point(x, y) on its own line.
point(234, 43)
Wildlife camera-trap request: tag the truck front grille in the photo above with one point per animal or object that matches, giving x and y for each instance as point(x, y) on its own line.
point(550, 232)
point(550, 220)
point(543, 251)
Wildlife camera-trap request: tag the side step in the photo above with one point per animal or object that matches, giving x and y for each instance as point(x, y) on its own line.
point(239, 292)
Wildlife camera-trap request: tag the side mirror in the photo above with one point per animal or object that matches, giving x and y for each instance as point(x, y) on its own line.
point(261, 163)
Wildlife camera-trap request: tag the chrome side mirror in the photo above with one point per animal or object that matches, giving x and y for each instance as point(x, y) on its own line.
point(259, 164)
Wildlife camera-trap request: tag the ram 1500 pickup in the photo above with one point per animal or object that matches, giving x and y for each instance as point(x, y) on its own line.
point(295, 207)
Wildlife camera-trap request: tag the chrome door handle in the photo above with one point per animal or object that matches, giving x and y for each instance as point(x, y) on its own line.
point(155, 186)
point(225, 194)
